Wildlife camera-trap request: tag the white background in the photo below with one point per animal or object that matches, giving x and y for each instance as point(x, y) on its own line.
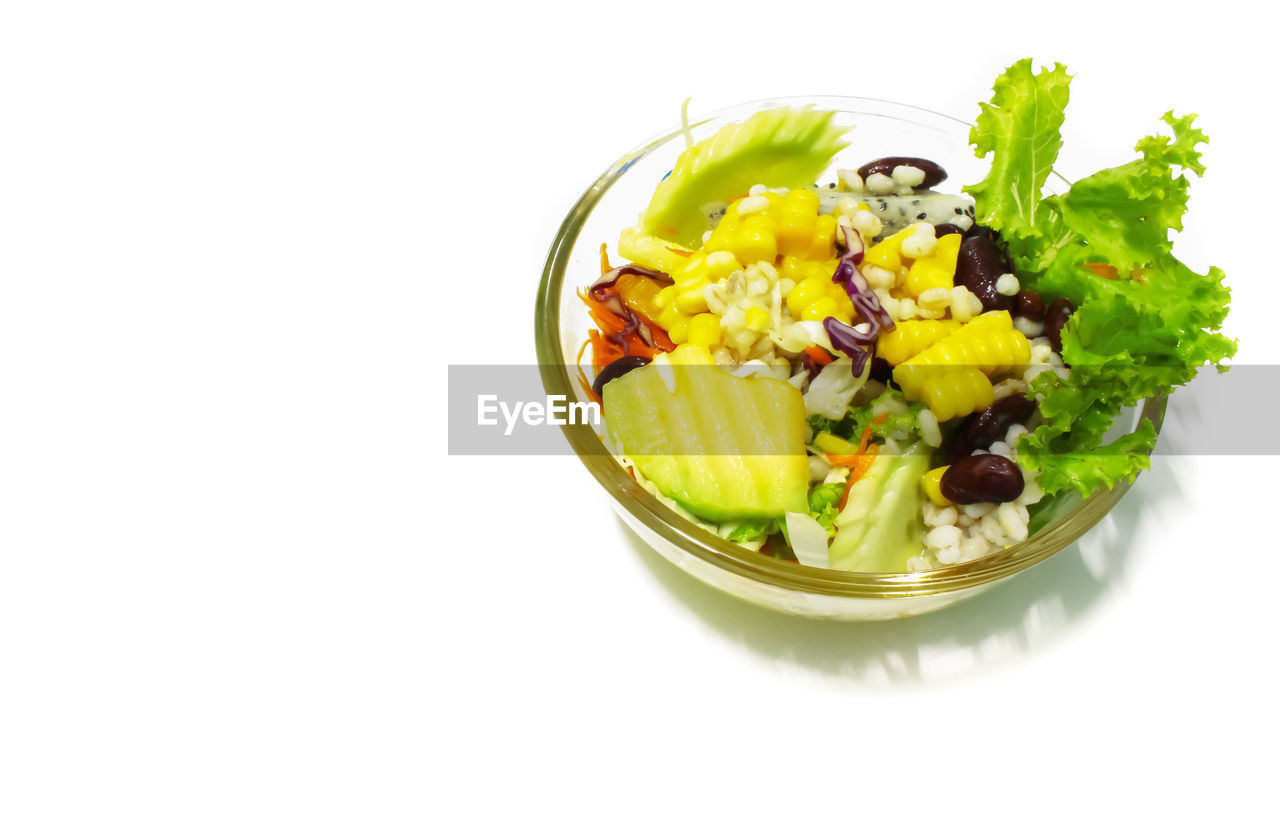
point(239, 575)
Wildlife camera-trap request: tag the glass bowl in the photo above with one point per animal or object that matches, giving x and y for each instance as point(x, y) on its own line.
point(613, 202)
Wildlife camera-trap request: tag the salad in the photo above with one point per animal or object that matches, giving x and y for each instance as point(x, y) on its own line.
point(855, 371)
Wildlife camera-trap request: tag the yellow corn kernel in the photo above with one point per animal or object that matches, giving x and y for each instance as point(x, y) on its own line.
point(664, 298)
point(757, 319)
point(806, 290)
point(720, 264)
point(823, 244)
point(704, 330)
point(688, 354)
point(888, 254)
point(819, 309)
point(912, 337)
point(694, 268)
point(932, 482)
point(827, 442)
point(797, 269)
point(678, 331)
point(796, 217)
point(988, 343)
point(692, 297)
point(723, 231)
point(753, 240)
point(928, 273)
point(957, 392)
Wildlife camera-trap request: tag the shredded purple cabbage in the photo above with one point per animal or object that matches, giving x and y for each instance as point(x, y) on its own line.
point(851, 341)
point(850, 278)
point(600, 292)
point(848, 341)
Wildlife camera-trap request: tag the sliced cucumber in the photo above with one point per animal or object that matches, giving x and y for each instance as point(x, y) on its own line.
point(723, 447)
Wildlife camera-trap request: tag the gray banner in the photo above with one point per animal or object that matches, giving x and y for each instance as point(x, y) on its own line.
point(505, 410)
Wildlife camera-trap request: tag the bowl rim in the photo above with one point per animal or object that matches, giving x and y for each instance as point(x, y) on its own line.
point(708, 547)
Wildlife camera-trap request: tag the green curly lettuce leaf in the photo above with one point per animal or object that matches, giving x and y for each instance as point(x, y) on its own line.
point(1144, 328)
point(1020, 130)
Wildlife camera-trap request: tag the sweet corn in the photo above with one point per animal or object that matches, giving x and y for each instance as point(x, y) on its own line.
point(694, 268)
point(720, 264)
point(797, 215)
point(936, 270)
point(692, 297)
point(721, 235)
point(910, 338)
point(670, 314)
point(957, 392)
point(988, 343)
point(806, 291)
point(932, 482)
point(834, 444)
point(888, 254)
point(704, 330)
point(757, 319)
point(819, 309)
point(822, 245)
point(929, 273)
point(754, 240)
point(678, 331)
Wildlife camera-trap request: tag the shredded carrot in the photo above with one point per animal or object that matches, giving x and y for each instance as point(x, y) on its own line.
point(679, 251)
point(605, 266)
point(582, 376)
point(859, 470)
point(819, 355)
point(1139, 275)
point(860, 462)
point(607, 320)
point(1106, 271)
point(866, 433)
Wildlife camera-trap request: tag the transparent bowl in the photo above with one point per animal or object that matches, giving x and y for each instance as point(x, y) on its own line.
point(613, 202)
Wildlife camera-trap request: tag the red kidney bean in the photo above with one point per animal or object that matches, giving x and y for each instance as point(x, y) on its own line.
point(1029, 306)
point(982, 230)
point(933, 172)
point(881, 370)
point(982, 479)
point(1055, 318)
point(980, 263)
point(945, 228)
point(981, 429)
point(614, 369)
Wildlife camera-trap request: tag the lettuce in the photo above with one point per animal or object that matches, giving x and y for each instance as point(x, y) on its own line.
point(1148, 326)
point(824, 505)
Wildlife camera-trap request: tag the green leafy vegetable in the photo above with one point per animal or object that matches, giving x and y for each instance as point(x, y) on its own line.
point(1020, 129)
point(779, 147)
point(901, 421)
point(753, 530)
point(1144, 328)
point(824, 504)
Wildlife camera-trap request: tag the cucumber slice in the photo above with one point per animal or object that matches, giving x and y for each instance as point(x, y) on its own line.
point(778, 147)
point(723, 447)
